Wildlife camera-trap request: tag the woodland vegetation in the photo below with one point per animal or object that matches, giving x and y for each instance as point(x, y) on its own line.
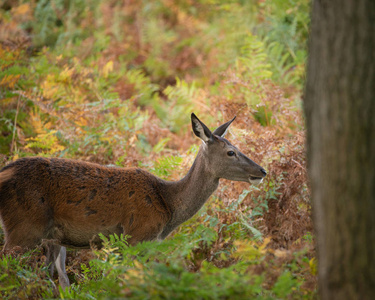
point(115, 82)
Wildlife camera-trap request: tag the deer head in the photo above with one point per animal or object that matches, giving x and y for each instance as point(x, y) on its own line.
point(222, 158)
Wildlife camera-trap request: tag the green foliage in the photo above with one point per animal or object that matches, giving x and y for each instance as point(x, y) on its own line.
point(19, 281)
point(47, 143)
point(59, 21)
point(286, 34)
point(287, 69)
point(173, 112)
point(287, 23)
point(12, 66)
point(157, 270)
point(165, 165)
point(143, 85)
point(253, 60)
point(285, 285)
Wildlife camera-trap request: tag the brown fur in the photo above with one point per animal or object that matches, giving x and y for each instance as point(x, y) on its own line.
point(73, 201)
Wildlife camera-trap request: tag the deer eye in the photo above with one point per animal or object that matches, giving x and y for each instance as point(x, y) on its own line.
point(230, 153)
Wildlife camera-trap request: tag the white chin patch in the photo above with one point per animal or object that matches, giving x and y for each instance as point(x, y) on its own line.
point(256, 181)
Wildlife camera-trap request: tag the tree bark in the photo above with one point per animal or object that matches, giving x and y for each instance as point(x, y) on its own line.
point(340, 119)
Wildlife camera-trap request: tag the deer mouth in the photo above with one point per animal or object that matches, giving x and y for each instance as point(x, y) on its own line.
point(255, 180)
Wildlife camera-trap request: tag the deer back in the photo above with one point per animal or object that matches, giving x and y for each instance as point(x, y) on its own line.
point(73, 201)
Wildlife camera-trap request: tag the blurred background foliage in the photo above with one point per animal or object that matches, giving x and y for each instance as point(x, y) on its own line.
point(114, 82)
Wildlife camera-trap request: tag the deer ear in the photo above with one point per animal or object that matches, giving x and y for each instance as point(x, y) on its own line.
point(200, 130)
point(222, 129)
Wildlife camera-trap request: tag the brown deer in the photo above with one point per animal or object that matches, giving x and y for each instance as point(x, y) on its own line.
point(68, 203)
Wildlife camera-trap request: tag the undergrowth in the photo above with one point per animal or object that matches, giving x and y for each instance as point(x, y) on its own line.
point(114, 82)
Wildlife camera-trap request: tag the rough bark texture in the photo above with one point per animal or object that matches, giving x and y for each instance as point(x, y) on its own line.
point(340, 115)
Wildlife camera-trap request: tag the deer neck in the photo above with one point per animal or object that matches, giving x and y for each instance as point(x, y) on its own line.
point(187, 196)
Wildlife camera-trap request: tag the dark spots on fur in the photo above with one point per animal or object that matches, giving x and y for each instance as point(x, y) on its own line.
point(162, 202)
point(92, 194)
point(81, 188)
point(138, 171)
point(90, 211)
point(84, 171)
point(131, 193)
point(131, 220)
point(110, 181)
point(148, 200)
point(45, 163)
point(98, 171)
point(75, 202)
point(20, 194)
point(41, 200)
point(165, 206)
point(76, 169)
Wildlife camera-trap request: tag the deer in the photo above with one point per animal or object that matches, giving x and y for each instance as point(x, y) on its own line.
point(63, 203)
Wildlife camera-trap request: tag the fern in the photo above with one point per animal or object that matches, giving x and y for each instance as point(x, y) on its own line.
point(174, 113)
point(146, 90)
point(46, 141)
point(254, 60)
point(165, 165)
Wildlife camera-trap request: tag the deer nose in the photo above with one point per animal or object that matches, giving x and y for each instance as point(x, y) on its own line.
point(264, 172)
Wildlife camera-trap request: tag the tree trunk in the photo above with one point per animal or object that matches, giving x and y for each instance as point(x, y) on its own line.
point(340, 117)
